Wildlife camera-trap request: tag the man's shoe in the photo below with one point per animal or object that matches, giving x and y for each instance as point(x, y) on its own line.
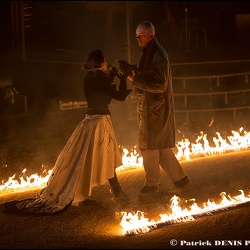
point(149, 190)
point(182, 182)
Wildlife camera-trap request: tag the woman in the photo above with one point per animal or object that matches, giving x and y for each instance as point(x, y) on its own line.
point(91, 154)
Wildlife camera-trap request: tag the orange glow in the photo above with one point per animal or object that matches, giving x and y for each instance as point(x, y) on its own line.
point(133, 224)
point(131, 159)
point(24, 183)
point(136, 223)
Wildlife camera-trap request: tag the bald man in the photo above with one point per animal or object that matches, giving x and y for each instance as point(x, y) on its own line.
point(155, 112)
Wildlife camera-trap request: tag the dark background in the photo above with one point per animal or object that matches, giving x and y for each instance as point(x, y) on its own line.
point(56, 42)
point(43, 43)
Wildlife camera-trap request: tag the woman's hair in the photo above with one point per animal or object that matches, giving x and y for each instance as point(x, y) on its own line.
point(94, 60)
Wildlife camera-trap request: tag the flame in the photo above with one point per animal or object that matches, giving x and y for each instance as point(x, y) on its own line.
point(131, 158)
point(237, 141)
point(136, 223)
point(24, 183)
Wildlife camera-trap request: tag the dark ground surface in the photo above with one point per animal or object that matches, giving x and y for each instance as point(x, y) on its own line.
point(33, 142)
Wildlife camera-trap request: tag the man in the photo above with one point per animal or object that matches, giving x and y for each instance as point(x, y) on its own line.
point(155, 111)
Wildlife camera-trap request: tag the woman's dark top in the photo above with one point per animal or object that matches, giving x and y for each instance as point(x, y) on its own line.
point(99, 90)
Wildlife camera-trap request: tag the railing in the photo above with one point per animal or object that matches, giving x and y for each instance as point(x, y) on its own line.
point(217, 77)
point(242, 89)
point(214, 90)
point(66, 105)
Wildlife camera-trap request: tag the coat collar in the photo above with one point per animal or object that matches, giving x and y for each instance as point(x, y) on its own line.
point(147, 48)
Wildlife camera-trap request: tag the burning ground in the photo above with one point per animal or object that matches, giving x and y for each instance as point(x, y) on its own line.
point(29, 145)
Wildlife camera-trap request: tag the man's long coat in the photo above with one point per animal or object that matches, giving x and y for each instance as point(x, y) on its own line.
point(155, 82)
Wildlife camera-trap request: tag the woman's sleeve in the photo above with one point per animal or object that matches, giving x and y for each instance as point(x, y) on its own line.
point(122, 93)
point(123, 87)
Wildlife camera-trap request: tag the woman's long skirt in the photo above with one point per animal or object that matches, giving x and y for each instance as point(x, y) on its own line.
point(88, 159)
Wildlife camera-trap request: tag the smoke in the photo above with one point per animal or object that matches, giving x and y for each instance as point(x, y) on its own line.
point(6, 81)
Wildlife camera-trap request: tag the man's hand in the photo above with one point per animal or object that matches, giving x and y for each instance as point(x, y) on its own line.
point(126, 67)
point(131, 76)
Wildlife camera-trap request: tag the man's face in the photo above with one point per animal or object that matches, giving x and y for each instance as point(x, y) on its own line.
point(143, 36)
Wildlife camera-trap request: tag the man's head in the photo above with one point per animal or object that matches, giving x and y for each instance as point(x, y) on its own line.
point(145, 32)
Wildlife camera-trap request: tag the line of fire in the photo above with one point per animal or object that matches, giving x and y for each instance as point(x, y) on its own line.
point(43, 50)
point(136, 223)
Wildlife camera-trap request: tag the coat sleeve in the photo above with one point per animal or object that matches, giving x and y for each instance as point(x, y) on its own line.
point(155, 79)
